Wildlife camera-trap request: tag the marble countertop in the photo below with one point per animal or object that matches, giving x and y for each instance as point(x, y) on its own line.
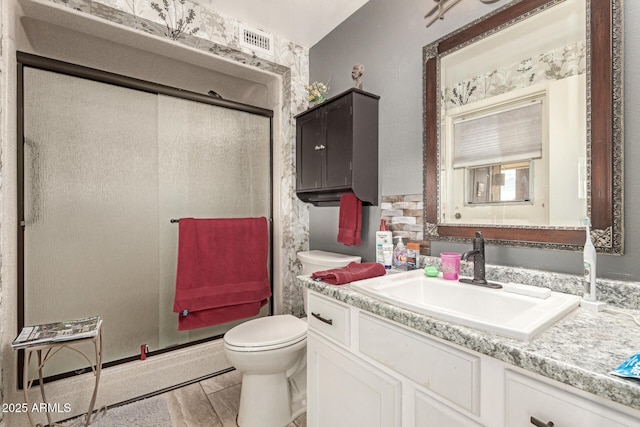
point(579, 350)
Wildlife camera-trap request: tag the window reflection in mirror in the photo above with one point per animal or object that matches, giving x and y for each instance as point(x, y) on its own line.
point(504, 183)
point(516, 116)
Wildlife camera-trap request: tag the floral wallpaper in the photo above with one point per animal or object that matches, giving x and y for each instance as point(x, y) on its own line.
point(200, 27)
point(557, 64)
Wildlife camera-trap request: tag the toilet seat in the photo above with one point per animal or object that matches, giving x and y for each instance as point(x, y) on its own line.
point(266, 333)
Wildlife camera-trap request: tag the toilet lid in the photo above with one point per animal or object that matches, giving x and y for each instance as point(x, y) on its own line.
point(267, 331)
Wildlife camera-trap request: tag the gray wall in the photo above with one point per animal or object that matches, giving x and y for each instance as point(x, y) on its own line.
point(387, 37)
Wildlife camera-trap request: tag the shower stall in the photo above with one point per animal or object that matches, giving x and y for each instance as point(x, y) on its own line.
point(106, 163)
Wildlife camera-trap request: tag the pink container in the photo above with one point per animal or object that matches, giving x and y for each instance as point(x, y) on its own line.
point(450, 265)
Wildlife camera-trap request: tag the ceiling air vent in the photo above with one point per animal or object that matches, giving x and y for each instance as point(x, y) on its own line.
point(256, 40)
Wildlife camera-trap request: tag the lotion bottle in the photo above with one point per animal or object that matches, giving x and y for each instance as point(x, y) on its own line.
point(384, 242)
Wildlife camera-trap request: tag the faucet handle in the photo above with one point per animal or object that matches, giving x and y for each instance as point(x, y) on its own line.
point(478, 243)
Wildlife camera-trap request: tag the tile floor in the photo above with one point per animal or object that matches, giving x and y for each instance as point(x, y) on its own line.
point(213, 403)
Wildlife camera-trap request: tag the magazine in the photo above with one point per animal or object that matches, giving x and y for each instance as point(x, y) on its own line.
point(57, 332)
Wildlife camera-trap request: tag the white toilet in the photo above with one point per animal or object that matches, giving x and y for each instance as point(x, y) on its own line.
point(270, 352)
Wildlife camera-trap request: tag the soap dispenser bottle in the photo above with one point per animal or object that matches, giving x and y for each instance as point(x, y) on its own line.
point(400, 255)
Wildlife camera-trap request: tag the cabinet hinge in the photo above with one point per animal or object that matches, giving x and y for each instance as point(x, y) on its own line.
point(351, 110)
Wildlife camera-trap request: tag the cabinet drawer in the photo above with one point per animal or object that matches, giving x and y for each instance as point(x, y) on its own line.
point(446, 371)
point(329, 318)
point(526, 397)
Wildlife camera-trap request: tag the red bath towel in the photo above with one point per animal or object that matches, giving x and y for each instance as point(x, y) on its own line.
point(222, 270)
point(350, 220)
point(352, 272)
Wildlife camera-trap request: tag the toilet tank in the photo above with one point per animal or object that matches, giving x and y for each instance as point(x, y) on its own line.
point(315, 260)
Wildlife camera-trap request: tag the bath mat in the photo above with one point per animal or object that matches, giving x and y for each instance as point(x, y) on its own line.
point(152, 412)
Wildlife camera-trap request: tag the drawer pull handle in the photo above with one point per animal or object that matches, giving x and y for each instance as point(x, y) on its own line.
point(322, 319)
point(536, 422)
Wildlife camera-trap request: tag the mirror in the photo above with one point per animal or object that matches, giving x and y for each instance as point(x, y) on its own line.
point(523, 127)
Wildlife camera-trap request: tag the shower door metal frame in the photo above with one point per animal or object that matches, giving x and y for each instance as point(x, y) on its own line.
point(74, 70)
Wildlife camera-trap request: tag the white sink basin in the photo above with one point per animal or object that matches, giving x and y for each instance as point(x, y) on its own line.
point(492, 310)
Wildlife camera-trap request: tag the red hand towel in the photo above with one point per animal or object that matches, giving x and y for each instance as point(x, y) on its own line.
point(352, 272)
point(350, 220)
point(222, 270)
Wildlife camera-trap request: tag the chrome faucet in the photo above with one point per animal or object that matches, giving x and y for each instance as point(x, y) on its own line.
point(477, 254)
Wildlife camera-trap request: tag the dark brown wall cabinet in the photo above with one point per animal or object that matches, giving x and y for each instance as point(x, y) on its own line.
point(337, 149)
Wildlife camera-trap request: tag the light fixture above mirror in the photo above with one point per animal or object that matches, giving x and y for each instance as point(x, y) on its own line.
point(572, 83)
point(442, 6)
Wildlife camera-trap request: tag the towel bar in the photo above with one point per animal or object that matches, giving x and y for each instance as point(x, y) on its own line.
point(174, 221)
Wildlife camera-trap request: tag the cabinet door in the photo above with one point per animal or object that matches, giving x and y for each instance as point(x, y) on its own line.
point(344, 391)
point(431, 413)
point(527, 398)
point(339, 146)
point(310, 150)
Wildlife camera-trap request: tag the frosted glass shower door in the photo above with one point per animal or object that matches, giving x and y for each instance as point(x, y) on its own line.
point(214, 162)
point(106, 169)
point(91, 209)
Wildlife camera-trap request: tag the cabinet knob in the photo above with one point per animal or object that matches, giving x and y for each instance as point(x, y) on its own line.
point(319, 147)
point(536, 422)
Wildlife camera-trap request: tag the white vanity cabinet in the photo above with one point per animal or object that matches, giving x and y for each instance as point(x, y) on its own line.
point(365, 370)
